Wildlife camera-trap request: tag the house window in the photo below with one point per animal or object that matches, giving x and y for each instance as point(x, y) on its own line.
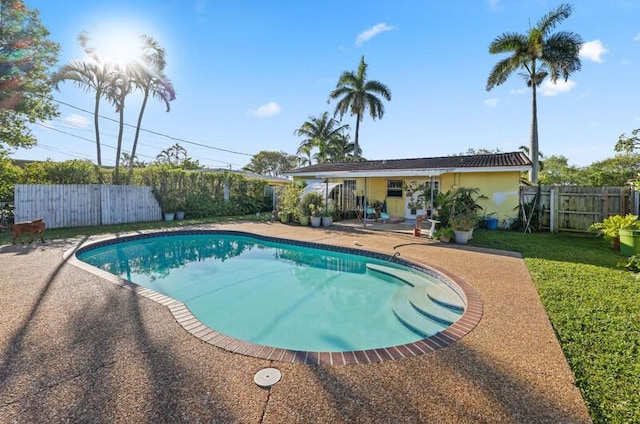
point(394, 188)
point(349, 185)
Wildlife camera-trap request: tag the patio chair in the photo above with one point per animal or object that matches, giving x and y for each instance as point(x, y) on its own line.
point(370, 213)
point(384, 217)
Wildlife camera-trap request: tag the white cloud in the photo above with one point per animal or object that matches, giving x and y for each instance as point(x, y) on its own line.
point(76, 121)
point(492, 102)
point(637, 37)
point(593, 50)
point(549, 88)
point(270, 109)
point(368, 34)
point(522, 90)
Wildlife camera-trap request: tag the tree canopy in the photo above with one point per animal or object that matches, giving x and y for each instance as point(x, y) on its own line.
point(26, 57)
point(271, 163)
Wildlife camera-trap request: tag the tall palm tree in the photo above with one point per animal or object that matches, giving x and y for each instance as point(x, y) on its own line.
point(89, 76)
point(120, 87)
point(538, 54)
point(320, 133)
point(148, 76)
point(356, 94)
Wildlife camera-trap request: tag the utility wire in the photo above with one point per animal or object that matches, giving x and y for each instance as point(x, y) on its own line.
point(158, 133)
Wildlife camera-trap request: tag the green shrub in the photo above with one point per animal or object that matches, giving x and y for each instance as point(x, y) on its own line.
point(610, 227)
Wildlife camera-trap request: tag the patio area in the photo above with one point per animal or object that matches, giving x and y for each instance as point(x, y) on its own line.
point(77, 348)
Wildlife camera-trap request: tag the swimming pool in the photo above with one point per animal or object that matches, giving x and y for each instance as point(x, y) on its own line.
point(286, 295)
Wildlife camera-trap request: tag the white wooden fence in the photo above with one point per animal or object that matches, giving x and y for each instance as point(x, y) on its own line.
point(78, 205)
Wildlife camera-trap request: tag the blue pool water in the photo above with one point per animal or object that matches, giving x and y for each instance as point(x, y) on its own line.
point(273, 294)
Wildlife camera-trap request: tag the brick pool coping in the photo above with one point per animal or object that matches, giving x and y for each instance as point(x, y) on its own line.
point(470, 318)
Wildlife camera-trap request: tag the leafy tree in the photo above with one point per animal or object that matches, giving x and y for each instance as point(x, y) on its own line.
point(26, 55)
point(628, 144)
point(356, 94)
point(557, 171)
point(149, 77)
point(271, 163)
point(10, 175)
point(481, 151)
point(323, 133)
point(615, 171)
point(538, 54)
point(68, 172)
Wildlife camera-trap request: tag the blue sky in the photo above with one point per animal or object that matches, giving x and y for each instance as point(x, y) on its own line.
point(249, 73)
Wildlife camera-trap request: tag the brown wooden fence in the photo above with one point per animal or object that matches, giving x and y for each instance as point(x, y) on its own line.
point(574, 209)
point(77, 205)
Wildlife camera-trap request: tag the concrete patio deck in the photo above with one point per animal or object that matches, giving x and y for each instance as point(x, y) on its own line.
point(79, 349)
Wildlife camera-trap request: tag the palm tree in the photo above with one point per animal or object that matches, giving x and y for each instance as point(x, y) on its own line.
point(341, 149)
point(320, 133)
point(356, 94)
point(120, 86)
point(89, 76)
point(149, 77)
point(539, 54)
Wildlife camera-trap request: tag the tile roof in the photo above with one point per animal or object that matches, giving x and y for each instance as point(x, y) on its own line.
point(510, 159)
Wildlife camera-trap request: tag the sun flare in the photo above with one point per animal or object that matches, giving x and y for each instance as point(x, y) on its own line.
point(117, 44)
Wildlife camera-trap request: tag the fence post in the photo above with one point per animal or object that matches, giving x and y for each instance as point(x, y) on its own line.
point(553, 210)
point(605, 205)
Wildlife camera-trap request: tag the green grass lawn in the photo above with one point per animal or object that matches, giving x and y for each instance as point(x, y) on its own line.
point(594, 307)
point(593, 304)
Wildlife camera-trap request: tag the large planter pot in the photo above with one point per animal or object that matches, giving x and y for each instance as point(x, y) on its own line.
point(462, 237)
point(284, 217)
point(629, 242)
point(179, 215)
point(491, 223)
point(169, 216)
point(315, 221)
point(327, 221)
point(304, 220)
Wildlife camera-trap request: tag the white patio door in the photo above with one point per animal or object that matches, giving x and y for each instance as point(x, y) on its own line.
point(412, 213)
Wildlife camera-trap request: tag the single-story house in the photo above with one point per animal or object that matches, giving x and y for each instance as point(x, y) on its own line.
point(392, 182)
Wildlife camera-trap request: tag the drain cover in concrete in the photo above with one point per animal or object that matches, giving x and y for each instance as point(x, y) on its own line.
point(267, 377)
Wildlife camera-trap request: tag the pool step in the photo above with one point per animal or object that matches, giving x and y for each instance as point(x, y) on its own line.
point(424, 312)
point(410, 317)
point(425, 305)
point(435, 290)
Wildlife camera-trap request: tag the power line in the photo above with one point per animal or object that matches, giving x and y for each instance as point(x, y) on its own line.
point(158, 133)
point(113, 147)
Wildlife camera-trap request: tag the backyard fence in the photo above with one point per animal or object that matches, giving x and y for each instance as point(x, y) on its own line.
point(574, 209)
point(78, 205)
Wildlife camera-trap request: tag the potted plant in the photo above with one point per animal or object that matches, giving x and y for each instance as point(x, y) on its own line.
point(444, 234)
point(415, 204)
point(288, 197)
point(316, 219)
point(284, 216)
point(611, 227)
point(304, 206)
point(167, 203)
point(330, 213)
point(462, 223)
point(327, 218)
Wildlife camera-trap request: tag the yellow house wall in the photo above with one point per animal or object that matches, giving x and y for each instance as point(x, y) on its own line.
point(501, 188)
